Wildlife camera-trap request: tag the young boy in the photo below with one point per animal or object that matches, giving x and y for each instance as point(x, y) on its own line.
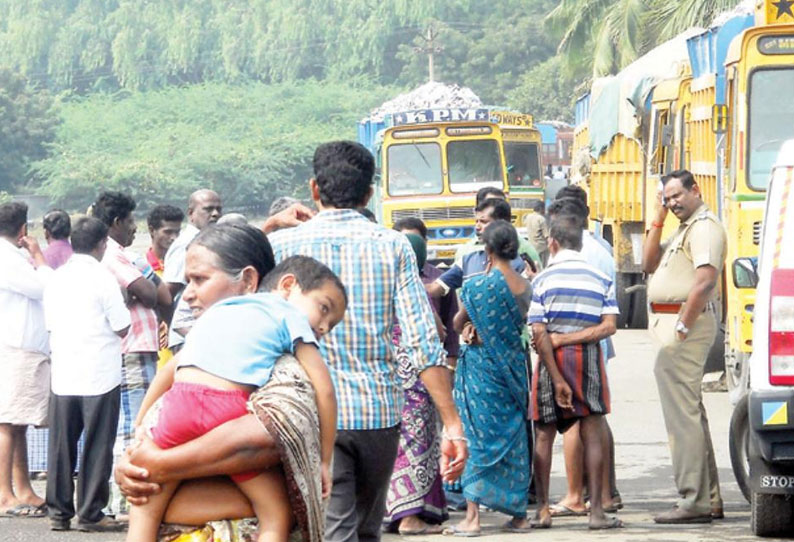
point(229, 353)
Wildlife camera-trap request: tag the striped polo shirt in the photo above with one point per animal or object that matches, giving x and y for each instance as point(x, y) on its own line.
point(570, 294)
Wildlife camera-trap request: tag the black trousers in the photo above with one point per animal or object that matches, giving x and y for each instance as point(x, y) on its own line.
point(363, 463)
point(69, 416)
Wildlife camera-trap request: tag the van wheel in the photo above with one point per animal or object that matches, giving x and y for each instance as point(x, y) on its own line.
point(771, 515)
point(739, 446)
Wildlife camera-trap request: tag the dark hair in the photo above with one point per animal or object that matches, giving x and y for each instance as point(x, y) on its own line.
point(483, 193)
point(369, 215)
point(573, 191)
point(343, 186)
point(87, 233)
point(349, 152)
point(683, 175)
point(567, 231)
point(237, 247)
point(501, 239)
point(501, 209)
point(13, 216)
point(569, 206)
point(164, 213)
point(111, 206)
point(57, 223)
point(411, 223)
point(538, 206)
point(310, 274)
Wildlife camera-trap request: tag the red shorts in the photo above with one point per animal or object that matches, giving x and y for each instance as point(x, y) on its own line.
point(190, 410)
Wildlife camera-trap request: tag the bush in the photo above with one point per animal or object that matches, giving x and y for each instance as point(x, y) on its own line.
point(251, 143)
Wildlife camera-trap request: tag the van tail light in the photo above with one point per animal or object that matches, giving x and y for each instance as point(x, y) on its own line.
point(781, 328)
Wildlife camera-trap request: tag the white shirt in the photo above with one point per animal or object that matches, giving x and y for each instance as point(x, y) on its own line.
point(174, 263)
point(84, 308)
point(21, 291)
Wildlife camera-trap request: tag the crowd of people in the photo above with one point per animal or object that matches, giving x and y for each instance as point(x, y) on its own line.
point(317, 373)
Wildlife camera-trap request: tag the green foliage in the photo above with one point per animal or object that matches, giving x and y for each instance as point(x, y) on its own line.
point(486, 47)
point(249, 142)
point(546, 92)
point(90, 45)
point(27, 122)
point(602, 36)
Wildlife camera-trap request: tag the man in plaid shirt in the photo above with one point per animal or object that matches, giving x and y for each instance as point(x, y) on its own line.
point(379, 269)
point(143, 291)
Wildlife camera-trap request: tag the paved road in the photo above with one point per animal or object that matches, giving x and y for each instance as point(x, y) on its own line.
point(643, 469)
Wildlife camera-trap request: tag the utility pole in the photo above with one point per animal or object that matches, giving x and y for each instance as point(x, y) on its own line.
point(430, 49)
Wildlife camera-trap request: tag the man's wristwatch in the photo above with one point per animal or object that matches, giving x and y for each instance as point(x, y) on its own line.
point(681, 328)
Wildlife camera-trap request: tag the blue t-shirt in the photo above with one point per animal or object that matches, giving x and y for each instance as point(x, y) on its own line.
point(241, 338)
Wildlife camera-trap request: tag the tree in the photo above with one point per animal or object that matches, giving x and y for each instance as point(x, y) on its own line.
point(28, 119)
point(603, 36)
point(546, 92)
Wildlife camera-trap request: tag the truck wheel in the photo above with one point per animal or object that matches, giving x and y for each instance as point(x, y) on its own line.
point(632, 304)
point(771, 515)
point(739, 445)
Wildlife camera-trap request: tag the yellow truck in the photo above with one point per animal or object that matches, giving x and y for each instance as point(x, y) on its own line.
point(716, 102)
point(432, 163)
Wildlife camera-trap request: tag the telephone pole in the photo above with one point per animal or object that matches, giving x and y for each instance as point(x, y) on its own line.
point(430, 49)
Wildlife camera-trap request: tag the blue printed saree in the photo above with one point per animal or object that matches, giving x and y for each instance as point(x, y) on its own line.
point(491, 395)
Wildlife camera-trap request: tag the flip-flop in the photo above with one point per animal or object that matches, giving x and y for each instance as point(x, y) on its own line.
point(428, 529)
point(612, 523)
point(537, 523)
point(27, 511)
point(561, 511)
point(454, 531)
point(510, 528)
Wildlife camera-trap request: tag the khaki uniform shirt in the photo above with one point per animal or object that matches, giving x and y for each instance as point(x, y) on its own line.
point(537, 231)
point(700, 240)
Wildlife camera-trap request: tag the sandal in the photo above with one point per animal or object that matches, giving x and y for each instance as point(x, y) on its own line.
point(453, 530)
point(27, 511)
point(559, 510)
point(611, 523)
point(537, 523)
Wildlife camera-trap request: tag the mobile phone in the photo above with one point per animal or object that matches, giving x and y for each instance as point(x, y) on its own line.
point(661, 190)
point(530, 262)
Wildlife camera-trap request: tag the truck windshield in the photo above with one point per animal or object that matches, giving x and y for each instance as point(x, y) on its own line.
point(415, 168)
point(523, 164)
point(474, 164)
point(771, 122)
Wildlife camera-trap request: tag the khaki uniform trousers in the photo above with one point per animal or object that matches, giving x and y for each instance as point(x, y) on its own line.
point(679, 372)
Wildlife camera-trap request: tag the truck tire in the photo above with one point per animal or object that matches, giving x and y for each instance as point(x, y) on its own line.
point(639, 305)
point(739, 445)
point(771, 515)
point(632, 304)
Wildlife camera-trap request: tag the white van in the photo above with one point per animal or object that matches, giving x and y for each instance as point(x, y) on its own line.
point(762, 426)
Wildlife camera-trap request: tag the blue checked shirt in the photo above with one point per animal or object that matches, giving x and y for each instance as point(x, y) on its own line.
point(379, 270)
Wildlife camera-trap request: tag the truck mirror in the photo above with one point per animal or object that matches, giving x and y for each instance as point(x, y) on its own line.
point(745, 274)
point(719, 118)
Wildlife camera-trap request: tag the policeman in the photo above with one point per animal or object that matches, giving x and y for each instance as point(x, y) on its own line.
point(686, 269)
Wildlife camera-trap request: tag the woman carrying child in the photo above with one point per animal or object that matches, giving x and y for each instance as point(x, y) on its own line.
point(232, 350)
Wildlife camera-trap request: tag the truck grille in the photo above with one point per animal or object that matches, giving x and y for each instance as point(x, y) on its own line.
point(757, 233)
point(522, 203)
point(434, 213)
